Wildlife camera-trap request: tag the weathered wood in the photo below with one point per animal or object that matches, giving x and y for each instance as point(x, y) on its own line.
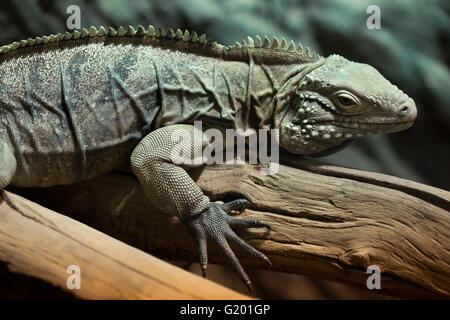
point(327, 222)
point(37, 243)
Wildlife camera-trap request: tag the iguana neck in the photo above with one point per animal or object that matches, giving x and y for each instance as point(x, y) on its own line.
point(270, 89)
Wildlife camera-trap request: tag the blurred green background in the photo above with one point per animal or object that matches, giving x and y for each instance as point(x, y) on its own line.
point(411, 49)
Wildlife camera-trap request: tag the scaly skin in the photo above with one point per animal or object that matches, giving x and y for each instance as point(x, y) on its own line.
point(75, 106)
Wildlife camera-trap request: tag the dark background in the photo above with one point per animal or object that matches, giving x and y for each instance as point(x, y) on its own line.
point(411, 50)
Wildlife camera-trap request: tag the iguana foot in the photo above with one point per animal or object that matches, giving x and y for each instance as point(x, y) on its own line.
point(214, 223)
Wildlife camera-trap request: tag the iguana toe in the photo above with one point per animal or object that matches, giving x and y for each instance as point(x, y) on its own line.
point(238, 205)
point(214, 224)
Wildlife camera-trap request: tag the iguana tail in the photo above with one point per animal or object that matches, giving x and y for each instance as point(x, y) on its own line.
point(7, 164)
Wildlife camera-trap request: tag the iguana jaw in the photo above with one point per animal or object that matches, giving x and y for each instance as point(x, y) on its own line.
point(373, 117)
point(316, 129)
point(317, 118)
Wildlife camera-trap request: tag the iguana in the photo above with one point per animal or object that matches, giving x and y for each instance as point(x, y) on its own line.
point(77, 105)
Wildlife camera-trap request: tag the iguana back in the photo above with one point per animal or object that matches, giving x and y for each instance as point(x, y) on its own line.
point(74, 109)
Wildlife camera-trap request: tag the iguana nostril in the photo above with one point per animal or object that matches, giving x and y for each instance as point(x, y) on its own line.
point(407, 111)
point(403, 111)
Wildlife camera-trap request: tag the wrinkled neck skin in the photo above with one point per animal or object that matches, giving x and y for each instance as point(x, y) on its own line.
point(271, 90)
point(270, 97)
point(284, 81)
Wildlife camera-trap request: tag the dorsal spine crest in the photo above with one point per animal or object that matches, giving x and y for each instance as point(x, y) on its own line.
point(263, 45)
point(267, 45)
point(186, 36)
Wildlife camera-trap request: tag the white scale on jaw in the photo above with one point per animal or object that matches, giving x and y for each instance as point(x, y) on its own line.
point(302, 111)
point(326, 132)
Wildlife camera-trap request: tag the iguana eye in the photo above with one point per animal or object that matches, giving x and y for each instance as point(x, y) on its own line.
point(346, 100)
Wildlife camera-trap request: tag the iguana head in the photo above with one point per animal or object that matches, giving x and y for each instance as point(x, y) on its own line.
point(339, 102)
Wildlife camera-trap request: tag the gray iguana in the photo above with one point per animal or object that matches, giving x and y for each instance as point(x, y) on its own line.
point(76, 105)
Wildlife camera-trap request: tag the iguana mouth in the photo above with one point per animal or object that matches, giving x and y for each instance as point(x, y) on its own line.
point(376, 127)
point(328, 130)
point(325, 129)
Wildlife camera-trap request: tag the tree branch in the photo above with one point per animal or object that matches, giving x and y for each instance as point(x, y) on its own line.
point(37, 246)
point(327, 221)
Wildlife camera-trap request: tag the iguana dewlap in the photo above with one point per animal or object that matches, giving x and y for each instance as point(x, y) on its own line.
point(76, 105)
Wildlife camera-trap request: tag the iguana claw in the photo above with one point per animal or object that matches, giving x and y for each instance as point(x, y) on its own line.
point(214, 223)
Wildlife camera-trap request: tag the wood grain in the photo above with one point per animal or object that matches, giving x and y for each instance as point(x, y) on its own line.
point(328, 222)
point(37, 243)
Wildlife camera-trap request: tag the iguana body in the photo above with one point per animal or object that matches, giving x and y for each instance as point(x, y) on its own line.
point(75, 106)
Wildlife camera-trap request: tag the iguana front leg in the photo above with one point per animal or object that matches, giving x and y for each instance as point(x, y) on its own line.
point(169, 187)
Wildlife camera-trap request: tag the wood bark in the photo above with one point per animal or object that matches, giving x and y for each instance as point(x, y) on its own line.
point(38, 245)
point(328, 222)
